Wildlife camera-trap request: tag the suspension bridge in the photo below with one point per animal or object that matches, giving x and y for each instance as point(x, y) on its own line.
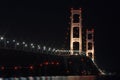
point(32, 59)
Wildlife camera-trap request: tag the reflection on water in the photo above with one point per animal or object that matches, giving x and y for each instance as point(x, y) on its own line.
point(52, 78)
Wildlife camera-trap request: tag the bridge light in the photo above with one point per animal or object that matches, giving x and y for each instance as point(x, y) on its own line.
point(23, 42)
point(1, 38)
point(26, 45)
point(30, 78)
point(38, 46)
point(49, 49)
point(31, 44)
point(8, 42)
point(57, 63)
point(53, 49)
point(2, 67)
point(46, 63)
point(31, 67)
point(40, 65)
point(13, 40)
point(17, 43)
point(15, 68)
point(52, 62)
point(76, 54)
point(44, 48)
point(56, 50)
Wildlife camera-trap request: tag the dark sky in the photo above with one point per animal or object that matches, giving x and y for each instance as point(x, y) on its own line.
point(47, 21)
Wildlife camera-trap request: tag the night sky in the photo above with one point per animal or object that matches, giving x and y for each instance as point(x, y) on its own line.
point(47, 21)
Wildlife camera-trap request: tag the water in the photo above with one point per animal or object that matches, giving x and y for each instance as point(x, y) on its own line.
point(62, 78)
point(51, 78)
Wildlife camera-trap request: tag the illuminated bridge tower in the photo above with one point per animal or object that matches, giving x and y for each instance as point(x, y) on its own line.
point(76, 32)
point(90, 44)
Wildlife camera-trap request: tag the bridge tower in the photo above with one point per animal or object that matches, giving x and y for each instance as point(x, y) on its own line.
point(76, 32)
point(90, 44)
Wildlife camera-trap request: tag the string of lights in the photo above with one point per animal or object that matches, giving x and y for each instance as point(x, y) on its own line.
point(31, 47)
point(30, 66)
point(25, 46)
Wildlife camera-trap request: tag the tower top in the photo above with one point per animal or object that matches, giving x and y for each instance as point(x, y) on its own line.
point(76, 10)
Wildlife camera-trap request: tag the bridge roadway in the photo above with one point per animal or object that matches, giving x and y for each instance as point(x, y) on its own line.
point(19, 63)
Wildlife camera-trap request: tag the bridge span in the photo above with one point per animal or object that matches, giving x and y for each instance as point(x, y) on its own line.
point(19, 63)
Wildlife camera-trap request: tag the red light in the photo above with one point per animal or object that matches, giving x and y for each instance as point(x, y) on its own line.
point(46, 63)
point(52, 63)
point(15, 67)
point(57, 63)
point(31, 67)
point(2, 67)
point(40, 65)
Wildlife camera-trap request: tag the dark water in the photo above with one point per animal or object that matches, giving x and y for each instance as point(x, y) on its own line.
point(110, 77)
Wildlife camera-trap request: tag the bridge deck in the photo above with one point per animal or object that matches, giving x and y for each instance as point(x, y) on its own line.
point(20, 63)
